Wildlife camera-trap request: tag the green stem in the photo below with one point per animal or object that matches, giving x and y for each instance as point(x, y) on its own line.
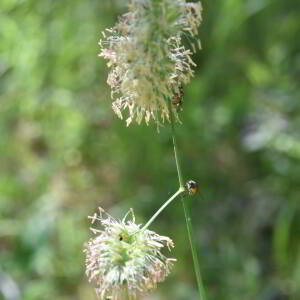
point(201, 289)
point(194, 252)
point(181, 190)
point(177, 159)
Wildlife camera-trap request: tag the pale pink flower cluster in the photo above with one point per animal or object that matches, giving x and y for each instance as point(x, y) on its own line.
point(123, 259)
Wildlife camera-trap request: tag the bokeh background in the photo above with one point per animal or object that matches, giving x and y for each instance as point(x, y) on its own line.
point(63, 152)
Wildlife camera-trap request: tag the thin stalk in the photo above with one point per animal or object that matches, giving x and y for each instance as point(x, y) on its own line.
point(180, 190)
point(193, 249)
point(177, 159)
point(201, 289)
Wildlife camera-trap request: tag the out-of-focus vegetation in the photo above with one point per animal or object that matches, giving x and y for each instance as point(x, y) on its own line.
point(63, 152)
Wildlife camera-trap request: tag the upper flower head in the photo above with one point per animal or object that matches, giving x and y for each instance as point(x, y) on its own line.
point(123, 258)
point(148, 62)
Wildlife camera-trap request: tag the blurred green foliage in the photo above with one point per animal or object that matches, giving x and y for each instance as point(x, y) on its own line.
point(63, 152)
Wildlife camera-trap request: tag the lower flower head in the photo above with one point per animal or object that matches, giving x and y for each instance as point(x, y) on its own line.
point(123, 258)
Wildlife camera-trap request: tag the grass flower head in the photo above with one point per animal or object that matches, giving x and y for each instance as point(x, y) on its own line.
point(148, 61)
point(123, 258)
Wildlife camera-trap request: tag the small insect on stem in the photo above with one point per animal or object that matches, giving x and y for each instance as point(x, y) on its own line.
point(192, 187)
